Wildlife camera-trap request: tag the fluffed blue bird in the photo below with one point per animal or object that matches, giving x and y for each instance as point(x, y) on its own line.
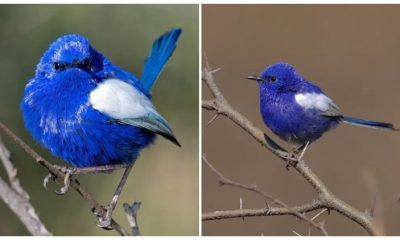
point(298, 111)
point(90, 112)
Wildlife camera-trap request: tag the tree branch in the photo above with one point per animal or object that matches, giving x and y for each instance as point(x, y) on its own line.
point(325, 197)
point(96, 207)
point(267, 211)
point(17, 199)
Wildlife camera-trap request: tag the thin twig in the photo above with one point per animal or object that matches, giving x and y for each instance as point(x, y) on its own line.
point(17, 199)
point(325, 196)
point(96, 207)
point(131, 214)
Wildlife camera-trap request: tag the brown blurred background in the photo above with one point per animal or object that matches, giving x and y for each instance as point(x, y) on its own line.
point(353, 53)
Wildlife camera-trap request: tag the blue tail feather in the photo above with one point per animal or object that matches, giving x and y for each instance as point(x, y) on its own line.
point(161, 51)
point(368, 123)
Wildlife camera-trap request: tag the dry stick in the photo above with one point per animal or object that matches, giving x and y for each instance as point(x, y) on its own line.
point(131, 214)
point(325, 197)
point(18, 199)
point(74, 183)
point(11, 171)
point(23, 209)
point(267, 211)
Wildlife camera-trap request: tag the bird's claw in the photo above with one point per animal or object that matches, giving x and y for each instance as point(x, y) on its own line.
point(104, 221)
point(64, 169)
point(68, 173)
point(67, 181)
point(291, 162)
point(47, 179)
point(296, 156)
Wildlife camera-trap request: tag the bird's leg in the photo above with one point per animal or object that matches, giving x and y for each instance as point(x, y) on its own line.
point(296, 155)
point(105, 221)
point(70, 171)
point(302, 150)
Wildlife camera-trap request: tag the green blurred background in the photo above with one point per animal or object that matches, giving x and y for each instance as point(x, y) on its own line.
point(353, 53)
point(165, 178)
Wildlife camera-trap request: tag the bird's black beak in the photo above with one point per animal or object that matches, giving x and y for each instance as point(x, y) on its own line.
point(256, 78)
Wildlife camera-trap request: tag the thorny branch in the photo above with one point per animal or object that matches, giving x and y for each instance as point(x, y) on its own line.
point(325, 198)
point(267, 211)
point(96, 207)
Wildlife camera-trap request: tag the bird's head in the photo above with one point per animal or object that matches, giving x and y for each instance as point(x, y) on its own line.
point(69, 54)
point(278, 77)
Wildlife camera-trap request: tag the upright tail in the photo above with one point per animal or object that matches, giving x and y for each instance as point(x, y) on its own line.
point(368, 123)
point(161, 50)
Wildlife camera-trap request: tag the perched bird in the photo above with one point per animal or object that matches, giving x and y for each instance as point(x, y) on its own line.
point(90, 112)
point(298, 111)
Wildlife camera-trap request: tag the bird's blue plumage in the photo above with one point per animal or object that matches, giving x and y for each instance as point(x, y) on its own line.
point(297, 110)
point(66, 106)
point(161, 51)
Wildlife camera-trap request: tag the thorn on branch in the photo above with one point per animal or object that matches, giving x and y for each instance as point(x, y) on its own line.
point(215, 70)
point(212, 119)
point(318, 214)
point(263, 212)
point(297, 234)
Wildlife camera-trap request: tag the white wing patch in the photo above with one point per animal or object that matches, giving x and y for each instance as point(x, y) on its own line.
point(120, 100)
point(314, 100)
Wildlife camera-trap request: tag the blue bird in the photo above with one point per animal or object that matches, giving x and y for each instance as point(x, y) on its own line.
point(298, 111)
point(90, 112)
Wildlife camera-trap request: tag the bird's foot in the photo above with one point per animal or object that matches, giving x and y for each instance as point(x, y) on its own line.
point(68, 171)
point(105, 220)
point(296, 156)
point(65, 169)
point(46, 180)
point(292, 159)
point(67, 179)
point(291, 162)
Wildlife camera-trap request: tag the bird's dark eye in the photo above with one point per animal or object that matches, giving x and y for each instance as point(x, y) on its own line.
point(272, 79)
point(86, 63)
point(59, 66)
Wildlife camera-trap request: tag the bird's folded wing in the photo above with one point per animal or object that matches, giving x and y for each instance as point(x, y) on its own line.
point(128, 105)
point(332, 111)
point(318, 101)
point(153, 122)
